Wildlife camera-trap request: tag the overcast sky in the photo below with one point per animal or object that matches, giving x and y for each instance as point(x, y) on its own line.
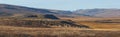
point(65, 4)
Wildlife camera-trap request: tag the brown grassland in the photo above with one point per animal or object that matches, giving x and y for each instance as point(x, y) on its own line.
point(98, 23)
point(97, 29)
point(9, 31)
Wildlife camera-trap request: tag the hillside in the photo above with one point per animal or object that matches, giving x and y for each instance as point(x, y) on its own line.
point(99, 12)
point(13, 10)
point(12, 15)
point(40, 23)
point(20, 21)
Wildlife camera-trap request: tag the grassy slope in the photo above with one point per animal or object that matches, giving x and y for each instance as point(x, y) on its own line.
point(96, 25)
point(12, 31)
point(41, 23)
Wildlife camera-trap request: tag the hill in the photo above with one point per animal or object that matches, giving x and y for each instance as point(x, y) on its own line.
point(13, 10)
point(20, 21)
point(12, 15)
point(99, 12)
point(40, 23)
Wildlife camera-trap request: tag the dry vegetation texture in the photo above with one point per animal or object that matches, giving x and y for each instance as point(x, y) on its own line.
point(41, 23)
point(99, 23)
point(18, 21)
point(96, 25)
point(9, 31)
point(58, 28)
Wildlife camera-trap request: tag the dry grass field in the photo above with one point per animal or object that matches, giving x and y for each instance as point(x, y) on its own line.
point(98, 23)
point(97, 29)
point(10, 31)
point(20, 21)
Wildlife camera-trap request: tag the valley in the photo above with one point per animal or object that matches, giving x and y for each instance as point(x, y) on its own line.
point(20, 21)
point(35, 27)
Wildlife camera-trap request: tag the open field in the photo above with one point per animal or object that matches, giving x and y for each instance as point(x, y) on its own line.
point(10, 31)
point(98, 23)
point(97, 28)
point(21, 21)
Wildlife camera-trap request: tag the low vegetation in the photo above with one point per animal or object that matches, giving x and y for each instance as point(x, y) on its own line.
point(100, 23)
point(41, 23)
point(9, 31)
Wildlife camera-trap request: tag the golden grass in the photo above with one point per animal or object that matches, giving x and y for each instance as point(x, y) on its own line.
point(98, 30)
point(10, 31)
point(96, 25)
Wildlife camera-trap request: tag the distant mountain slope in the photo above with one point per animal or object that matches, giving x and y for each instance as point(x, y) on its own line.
point(32, 17)
point(99, 12)
point(6, 9)
point(13, 10)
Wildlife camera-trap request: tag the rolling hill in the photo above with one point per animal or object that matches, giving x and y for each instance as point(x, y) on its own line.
point(20, 21)
point(12, 15)
point(14, 10)
point(99, 12)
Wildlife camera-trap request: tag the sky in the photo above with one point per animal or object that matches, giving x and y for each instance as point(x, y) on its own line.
point(65, 4)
